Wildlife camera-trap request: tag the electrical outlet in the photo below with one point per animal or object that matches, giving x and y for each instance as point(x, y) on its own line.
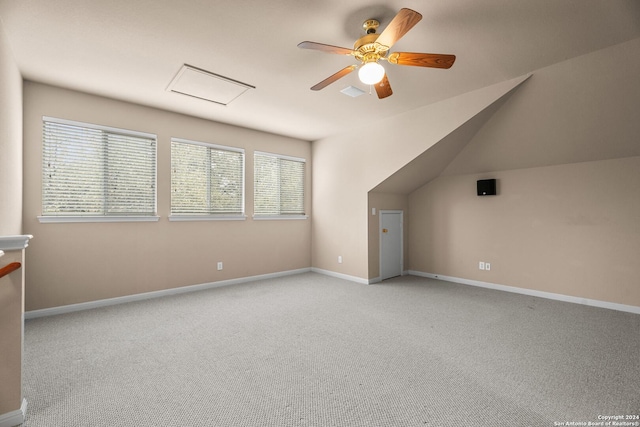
point(339, 259)
point(487, 266)
point(481, 265)
point(220, 265)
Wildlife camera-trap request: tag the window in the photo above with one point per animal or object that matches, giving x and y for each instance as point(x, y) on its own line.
point(279, 186)
point(207, 181)
point(92, 172)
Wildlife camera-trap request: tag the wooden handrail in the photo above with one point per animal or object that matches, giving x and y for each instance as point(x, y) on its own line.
point(13, 266)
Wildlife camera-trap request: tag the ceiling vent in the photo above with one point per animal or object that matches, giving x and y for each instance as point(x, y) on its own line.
point(202, 84)
point(352, 91)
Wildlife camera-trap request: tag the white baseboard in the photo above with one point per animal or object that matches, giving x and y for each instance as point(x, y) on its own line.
point(531, 292)
point(14, 418)
point(341, 276)
point(155, 294)
point(33, 314)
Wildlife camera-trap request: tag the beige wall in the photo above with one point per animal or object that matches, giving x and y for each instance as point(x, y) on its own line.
point(80, 262)
point(567, 229)
point(10, 142)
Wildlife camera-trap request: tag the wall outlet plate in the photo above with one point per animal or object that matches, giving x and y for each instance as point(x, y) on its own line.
point(481, 265)
point(220, 265)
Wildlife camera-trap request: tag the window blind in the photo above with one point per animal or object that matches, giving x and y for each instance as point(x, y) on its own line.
point(206, 179)
point(91, 170)
point(279, 185)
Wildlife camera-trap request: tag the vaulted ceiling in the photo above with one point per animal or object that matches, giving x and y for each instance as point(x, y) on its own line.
point(131, 50)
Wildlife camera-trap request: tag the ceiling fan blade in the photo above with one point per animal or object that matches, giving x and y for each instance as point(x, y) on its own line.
point(383, 89)
point(398, 27)
point(433, 60)
point(326, 82)
point(326, 48)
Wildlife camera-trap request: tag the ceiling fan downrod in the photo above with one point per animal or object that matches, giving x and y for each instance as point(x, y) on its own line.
point(370, 26)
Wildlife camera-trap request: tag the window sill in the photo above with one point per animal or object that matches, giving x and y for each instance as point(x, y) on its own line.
point(278, 217)
point(115, 218)
point(207, 217)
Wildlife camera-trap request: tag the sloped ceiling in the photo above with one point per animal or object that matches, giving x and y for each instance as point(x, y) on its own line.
point(131, 50)
point(430, 164)
point(580, 110)
point(583, 109)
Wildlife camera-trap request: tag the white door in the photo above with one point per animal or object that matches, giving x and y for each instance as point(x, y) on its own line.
point(390, 244)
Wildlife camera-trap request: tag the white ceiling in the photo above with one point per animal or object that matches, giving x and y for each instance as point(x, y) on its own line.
point(132, 49)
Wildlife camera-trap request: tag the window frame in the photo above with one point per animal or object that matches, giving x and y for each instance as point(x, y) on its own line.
point(208, 217)
point(262, 217)
point(79, 217)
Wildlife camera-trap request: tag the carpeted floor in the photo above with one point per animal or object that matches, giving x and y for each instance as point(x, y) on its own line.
point(312, 350)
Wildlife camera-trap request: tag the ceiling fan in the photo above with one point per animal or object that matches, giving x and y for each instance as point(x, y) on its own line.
point(372, 48)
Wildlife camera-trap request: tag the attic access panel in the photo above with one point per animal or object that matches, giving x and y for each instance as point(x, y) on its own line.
point(202, 84)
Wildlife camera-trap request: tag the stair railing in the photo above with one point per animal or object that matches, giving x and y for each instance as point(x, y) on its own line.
point(11, 267)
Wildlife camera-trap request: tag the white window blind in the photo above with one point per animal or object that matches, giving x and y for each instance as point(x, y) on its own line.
point(279, 185)
point(206, 179)
point(91, 170)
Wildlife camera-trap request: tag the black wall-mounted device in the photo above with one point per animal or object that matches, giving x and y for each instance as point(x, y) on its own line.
point(486, 187)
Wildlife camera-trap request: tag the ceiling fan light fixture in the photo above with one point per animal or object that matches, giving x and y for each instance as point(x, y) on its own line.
point(371, 73)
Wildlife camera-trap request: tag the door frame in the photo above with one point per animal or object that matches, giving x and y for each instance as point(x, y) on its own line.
point(381, 213)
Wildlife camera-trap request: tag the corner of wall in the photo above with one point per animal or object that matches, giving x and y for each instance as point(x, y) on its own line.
point(10, 141)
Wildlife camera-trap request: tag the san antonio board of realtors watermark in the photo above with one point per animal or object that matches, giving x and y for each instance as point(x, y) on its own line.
point(629, 420)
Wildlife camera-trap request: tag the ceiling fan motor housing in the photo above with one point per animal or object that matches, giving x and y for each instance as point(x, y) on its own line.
point(366, 43)
point(367, 50)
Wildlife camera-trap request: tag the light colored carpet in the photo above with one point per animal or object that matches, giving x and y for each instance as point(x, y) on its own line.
point(311, 350)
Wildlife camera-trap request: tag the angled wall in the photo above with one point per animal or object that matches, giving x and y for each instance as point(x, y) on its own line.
point(393, 192)
point(346, 169)
point(10, 141)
